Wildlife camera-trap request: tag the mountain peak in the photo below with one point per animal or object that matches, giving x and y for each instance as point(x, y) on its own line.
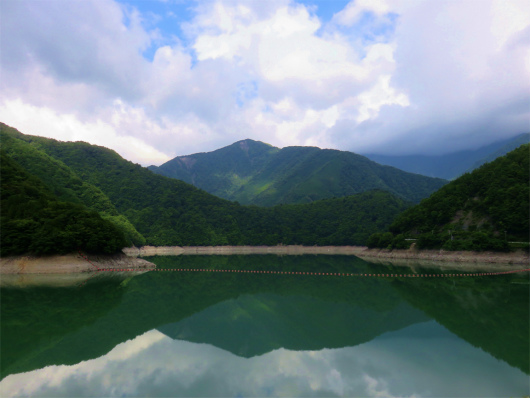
point(250, 141)
point(253, 172)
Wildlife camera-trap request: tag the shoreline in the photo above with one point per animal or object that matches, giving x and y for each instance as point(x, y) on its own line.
point(130, 258)
point(517, 257)
point(72, 263)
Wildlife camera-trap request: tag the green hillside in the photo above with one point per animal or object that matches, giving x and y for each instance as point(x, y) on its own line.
point(235, 165)
point(252, 172)
point(34, 220)
point(165, 211)
point(482, 210)
point(501, 150)
point(61, 180)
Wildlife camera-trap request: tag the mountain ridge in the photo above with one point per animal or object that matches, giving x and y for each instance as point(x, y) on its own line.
point(452, 165)
point(253, 172)
point(481, 210)
point(163, 211)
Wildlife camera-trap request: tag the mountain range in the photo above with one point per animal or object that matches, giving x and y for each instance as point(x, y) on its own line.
point(151, 209)
point(252, 172)
point(452, 165)
point(57, 197)
point(481, 210)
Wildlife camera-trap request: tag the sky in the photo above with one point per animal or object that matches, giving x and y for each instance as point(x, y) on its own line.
point(162, 78)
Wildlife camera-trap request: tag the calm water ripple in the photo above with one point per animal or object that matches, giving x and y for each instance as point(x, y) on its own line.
point(209, 334)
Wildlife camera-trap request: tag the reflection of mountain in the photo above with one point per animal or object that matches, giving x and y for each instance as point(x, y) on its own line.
point(491, 312)
point(255, 324)
point(36, 319)
point(66, 326)
point(249, 314)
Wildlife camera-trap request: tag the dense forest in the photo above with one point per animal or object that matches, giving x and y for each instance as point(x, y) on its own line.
point(34, 220)
point(252, 172)
point(147, 208)
point(62, 196)
point(482, 210)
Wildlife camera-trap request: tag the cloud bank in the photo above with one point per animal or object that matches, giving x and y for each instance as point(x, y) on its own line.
point(394, 77)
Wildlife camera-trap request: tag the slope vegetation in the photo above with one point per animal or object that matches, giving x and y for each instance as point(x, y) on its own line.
point(35, 220)
point(165, 211)
point(252, 172)
point(478, 211)
point(61, 180)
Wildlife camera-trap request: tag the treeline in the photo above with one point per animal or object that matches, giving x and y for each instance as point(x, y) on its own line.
point(33, 220)
point(147, 208)
point(339, 221)
point(482, 210)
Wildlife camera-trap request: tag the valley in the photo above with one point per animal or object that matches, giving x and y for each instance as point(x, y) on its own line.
point(59, 197)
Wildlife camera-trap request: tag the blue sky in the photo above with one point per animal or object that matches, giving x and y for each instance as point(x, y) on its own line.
point(157, 79)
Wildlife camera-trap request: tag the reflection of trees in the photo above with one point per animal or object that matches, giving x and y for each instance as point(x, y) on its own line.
point(66, 326)
point(488, 312)
point(38, 318)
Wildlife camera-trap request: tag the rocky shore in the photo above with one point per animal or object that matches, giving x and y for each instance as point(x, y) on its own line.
point(131, 257)
point(70, 263)
point(518, 257)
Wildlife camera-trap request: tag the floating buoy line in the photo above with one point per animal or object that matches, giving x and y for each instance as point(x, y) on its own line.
point(346, 274)
point(343, 274)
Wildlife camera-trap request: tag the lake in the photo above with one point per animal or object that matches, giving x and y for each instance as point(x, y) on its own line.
point(242, 334)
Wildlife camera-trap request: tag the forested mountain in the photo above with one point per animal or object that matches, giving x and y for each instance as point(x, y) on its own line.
point(480, 210)
point(454, 164)
point(221, 172)
point(252, 172)
point(62, 181)
point(502, 150)
point(164, 211)
point(34, 220)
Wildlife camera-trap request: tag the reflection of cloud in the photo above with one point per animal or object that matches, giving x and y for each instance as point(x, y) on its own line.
point(392, 366)
point(379, 388)
point(133, 347)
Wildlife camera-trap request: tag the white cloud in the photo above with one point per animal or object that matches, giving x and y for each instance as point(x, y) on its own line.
point(381, 76)
point(46, 122)
point(379, 95)
point(134, 347)
point(508, 19)
point(74, 42)
point(458, 83)
point(354, 10)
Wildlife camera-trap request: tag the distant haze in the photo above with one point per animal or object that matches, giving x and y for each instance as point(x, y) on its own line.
point(158, 79)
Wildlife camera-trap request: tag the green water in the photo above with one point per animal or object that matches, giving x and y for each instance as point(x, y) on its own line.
point(235, 334)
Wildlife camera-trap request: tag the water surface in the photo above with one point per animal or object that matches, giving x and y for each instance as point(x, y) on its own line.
point(232, 334)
